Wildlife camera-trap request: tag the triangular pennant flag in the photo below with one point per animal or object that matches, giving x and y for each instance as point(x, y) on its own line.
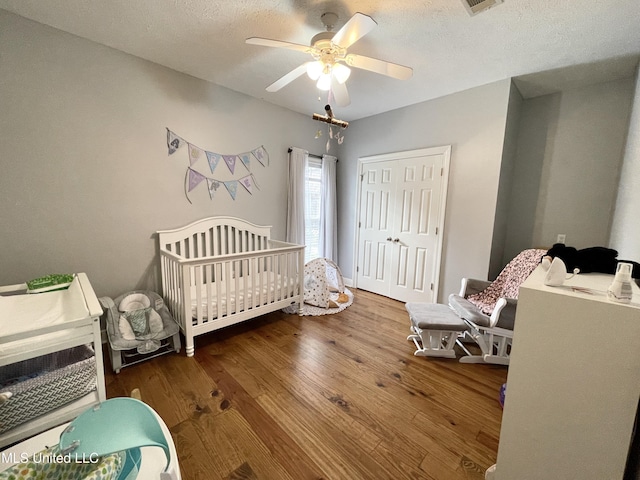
point(230, 160)
point(174, 142)
point(213, 159)
point(195, 154)
point(194, 179)
point(255, 184)
point(246, 183)
point(261, 155)
point(232, 187)
point(245, 158)
point(213, 186)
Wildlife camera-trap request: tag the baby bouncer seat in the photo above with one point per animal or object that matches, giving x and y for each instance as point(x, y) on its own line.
point(139, 327)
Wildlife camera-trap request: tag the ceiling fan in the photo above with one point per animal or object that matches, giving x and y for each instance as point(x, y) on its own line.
point(331, 62)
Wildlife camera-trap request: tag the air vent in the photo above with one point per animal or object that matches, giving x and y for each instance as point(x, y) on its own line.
point(476, 6)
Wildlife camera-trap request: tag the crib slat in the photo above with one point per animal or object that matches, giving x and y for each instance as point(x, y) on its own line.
point(236, 277)
point(197, 270)
point(219, 299)
point(229, 250)
point(261, 270)
point(245, 284)
point(209, 302)
point(255, 283)
point(227, 285)
point(284, 276)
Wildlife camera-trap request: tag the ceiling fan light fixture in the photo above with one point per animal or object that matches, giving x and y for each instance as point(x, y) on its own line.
point(341, 72)
point(324, 82)
point(314, 69)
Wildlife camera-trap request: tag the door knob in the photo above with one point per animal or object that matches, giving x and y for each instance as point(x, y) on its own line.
point(388, 239)
point(396, 240)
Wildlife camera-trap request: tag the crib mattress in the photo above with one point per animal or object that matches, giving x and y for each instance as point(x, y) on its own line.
point(235, 300)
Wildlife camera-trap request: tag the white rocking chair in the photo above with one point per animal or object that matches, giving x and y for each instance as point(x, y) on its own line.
point(489, 308)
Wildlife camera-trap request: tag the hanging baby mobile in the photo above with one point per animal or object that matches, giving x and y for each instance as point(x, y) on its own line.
point(193, 178)
point(331, 120)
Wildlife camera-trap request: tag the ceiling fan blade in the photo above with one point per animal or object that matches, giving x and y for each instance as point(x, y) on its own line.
point(340, 93)
point(288, 78)
point(379, 66)
point(266, 42)
point(352, 31)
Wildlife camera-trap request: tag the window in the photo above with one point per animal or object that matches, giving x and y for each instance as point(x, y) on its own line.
point(312, 201)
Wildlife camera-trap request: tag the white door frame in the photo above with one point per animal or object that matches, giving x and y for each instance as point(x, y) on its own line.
point(362, 161)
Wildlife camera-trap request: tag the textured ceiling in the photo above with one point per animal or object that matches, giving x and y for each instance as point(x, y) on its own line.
point(449, 50)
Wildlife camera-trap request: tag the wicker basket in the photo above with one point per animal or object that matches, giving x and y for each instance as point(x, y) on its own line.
point(42, 384)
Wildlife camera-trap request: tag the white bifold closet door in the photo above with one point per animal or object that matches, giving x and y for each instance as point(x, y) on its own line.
point(401, 217)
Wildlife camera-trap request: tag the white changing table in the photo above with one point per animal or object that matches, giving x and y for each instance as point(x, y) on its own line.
point(30, 328)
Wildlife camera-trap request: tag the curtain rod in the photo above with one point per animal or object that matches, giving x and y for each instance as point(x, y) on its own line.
point(311, 154)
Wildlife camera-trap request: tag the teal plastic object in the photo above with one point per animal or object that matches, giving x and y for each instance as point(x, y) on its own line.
point(115, 425)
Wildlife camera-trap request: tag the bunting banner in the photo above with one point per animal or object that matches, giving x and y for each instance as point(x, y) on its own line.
point(246, 183)
point(261, 155)
point(174, 142)
point(213, 186)
point(195, 154)
point(245, 158)
point(213, 159)
point(194, 178)
point(232, 187)
point(230, 160)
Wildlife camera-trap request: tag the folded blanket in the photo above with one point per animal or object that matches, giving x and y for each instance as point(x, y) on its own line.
point(509, 280)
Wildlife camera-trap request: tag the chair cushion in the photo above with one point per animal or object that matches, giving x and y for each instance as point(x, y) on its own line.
point(433, 316)
point(467, 310)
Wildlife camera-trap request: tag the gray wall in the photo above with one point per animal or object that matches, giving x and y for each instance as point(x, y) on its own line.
point(570, 148)
point(86, 179)
point(625, 230)
point(473, 123)
point(505, 186)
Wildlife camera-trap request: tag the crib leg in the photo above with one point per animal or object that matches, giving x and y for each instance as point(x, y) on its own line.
point(189, 347)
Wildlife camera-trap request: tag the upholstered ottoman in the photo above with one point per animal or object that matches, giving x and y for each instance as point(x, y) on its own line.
point(435, 329)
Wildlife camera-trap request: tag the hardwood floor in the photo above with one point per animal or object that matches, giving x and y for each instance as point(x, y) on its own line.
point(332, 397)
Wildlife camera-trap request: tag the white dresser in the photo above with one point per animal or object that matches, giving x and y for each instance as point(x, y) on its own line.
point(573, 383)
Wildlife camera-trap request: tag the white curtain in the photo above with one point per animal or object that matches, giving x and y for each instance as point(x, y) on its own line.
point(328, 210)
point(295, 199)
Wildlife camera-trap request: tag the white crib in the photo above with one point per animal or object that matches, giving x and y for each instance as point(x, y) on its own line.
point(220, 271)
